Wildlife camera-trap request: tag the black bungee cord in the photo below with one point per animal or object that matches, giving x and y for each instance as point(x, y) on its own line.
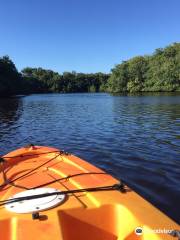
point(117, 187)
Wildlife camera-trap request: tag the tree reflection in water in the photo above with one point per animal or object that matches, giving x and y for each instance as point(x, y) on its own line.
point(10, 112)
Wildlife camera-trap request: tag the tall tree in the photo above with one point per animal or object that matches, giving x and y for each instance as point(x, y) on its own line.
point(10, 79)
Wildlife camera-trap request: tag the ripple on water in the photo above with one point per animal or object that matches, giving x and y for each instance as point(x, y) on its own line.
point(134, 138)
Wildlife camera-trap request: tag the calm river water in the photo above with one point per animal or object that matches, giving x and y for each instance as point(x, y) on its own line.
point(134, 138)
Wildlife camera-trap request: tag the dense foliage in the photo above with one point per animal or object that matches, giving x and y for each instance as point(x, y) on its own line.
point(68, 82)
point(158, 72)
point(10, 79)
point(38, 80)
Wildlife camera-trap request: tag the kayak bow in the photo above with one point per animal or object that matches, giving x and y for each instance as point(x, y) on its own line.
point(48, 194)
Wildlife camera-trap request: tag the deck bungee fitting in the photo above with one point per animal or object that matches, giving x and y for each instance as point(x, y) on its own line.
point(48, 194)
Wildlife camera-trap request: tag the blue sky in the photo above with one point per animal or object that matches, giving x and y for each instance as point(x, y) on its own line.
point(85, 35)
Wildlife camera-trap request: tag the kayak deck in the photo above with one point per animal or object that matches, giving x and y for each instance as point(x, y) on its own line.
point(101, 215)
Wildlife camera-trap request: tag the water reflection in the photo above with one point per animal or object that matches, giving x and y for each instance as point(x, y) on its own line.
point(10, 110)
point(151, 94)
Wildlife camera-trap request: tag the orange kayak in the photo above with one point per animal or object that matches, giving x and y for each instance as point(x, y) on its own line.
point(48, 194)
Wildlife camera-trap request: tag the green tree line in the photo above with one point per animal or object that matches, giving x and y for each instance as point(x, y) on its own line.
point(156, 73)
point(69, 82)
point(39, 80)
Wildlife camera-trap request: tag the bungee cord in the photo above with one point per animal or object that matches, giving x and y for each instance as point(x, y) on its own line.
point(119, 187)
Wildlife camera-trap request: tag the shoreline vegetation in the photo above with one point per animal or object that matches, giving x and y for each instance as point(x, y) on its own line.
point(159, 72)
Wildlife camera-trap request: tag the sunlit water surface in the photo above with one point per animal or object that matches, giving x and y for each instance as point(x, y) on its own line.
point(134, 138)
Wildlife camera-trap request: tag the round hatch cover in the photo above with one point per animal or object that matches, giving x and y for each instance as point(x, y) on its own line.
point(35, 205)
